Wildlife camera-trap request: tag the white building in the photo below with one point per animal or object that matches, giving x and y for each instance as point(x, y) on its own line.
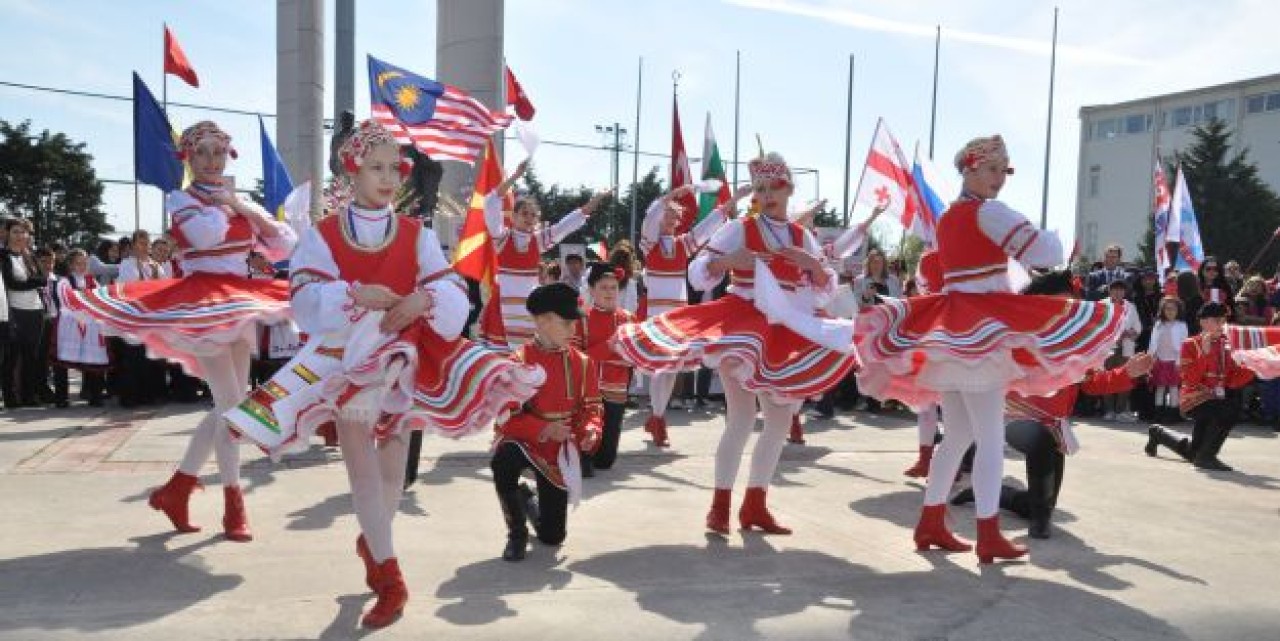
point(1119, 142)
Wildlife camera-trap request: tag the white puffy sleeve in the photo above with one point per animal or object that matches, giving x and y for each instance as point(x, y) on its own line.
point(278, 245)
point(849, 242)
point(706, 228)
point(202, 227)
point(728, 239)
point(1018, 237)
point(493, 218)
point(449, 315)
point(129, 271)
point(651, 228)
point(825, 292)
point(321, 301)
point(550, 235)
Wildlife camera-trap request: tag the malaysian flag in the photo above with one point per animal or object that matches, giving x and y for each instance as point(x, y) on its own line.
point(442, 121)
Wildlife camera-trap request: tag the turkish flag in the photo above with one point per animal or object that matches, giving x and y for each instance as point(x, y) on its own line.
point(175, 61)
point(680, 173)
point(518, 98)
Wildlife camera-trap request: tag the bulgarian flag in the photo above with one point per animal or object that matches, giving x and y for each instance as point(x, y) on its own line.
point(712, 168)
point(600, 248)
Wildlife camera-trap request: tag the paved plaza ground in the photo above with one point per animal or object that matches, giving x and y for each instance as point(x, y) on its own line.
point(1143, 548)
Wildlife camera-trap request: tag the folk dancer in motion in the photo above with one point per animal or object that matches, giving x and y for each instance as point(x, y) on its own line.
point(207, 320)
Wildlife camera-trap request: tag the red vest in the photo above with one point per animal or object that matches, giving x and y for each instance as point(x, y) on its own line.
point(393, 264)
point(239, 238)
point(514, 262)
point(675, 265)
point(595, 329)
point(785, 271)
point(965, 252)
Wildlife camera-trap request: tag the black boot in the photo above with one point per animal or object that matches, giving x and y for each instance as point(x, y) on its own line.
point(588, 465)
point(513, 512)
point(1008, 499)
point(1207, 458)
point(1039, 528)
point(1160, 435)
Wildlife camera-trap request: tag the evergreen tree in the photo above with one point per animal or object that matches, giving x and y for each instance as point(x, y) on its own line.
point(49, 179)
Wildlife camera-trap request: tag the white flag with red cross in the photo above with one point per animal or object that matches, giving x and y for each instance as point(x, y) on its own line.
point(886, 182)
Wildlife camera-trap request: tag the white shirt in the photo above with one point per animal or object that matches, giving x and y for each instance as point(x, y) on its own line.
point(1005, 227)
point(28, 300)
point(206, 227)
point(1131, 324)
point(732, 236)
point(323, 305)
point(131, 271)
point(1166, 340)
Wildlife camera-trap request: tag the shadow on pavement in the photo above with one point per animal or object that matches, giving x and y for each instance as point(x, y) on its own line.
point(479, 588)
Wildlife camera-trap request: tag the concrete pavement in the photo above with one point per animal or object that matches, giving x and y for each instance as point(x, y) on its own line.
point(1142, 549)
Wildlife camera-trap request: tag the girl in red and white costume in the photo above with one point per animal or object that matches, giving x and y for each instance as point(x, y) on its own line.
point(976, 341)
point(377, 286)
point(207, 320)
point(520, 243)
point(759, 363)
point(666, 269)
point(929, 279)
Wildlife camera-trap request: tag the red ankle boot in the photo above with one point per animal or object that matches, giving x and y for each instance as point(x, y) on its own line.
point(921, 468)
point(329, 432)
point(932, 531)
point(718, 515)
point(657, 426)
point(172, 499)
point(392, 596)
point(235, 522)
point(797, 432)
point(992, 544)
point(370, 567)
point(754, 513)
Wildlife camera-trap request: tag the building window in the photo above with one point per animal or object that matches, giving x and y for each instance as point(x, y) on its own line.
point(1182, 116)
point(1095, 176)
point(1255, 104)
point(1273, 101)
point(1137, 124)
point(1106, 129)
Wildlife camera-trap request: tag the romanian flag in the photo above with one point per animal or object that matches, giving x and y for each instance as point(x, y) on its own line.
point(276, 183)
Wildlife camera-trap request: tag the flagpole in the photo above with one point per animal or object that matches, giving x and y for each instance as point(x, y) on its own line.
point(737, 86)
point(863, 175)
point(164, 93)
point(848, 140)
point(1048, 130)
point(933, 109)
point(635, 153)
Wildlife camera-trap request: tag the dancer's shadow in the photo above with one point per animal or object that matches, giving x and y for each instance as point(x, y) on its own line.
point(808, 457)
point(635, 471)
point(734, 593)
point(321, 515)
point(477, 590)
point(1084, 563)
point(448, 468)
point(110, 588)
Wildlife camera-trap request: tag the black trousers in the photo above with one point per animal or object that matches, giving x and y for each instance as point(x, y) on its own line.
point(610, 435)
point(134, 375)
point(553, 503)
point(24, 379)
point(844, 395)
point(1045, 467)
point(1213, 422)
point(94, 385)
point(703, 384)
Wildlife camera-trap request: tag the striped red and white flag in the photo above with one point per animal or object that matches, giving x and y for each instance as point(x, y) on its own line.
point(442, 121)
point(886, 180)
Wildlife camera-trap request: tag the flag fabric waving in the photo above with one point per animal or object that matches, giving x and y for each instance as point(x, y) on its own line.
point(932, 193)
point(516, 97)
point(475, 257)
point(712, 168)
point(1160, 212)
point(886, 182)
point(442, 121)
point(1183, 214)
point(680, 173)
point(276, 183)
point(155, 155)
point(175, 60)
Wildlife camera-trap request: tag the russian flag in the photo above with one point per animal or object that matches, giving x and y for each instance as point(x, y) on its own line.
point(932, 192)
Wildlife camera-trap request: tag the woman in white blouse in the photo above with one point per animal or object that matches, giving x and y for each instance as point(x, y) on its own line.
point(21, 378)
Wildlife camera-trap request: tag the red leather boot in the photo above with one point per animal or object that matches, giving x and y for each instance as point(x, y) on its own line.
point(992, 544)
point(657, 426)
point(393, 594)
point(370, 567)
point(235, 522)
point(329, 432)
point(754, 513)
point(797, 432)
point(172, 499)
point(718, 515)
point(932, 531)
point(921, 468)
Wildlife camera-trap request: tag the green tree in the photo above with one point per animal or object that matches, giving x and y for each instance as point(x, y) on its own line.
point(49, 179)
point(1237, 211)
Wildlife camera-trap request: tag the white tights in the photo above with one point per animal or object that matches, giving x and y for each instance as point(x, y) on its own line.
point(227, 374)
point(739, 420)
point(661, 386)
point(375, 471)
point(927, 424)
point(972, 418)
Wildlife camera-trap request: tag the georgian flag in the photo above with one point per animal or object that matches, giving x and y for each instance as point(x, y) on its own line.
point(886, 182)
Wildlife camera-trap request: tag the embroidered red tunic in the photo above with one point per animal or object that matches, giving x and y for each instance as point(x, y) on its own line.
point(594, 332)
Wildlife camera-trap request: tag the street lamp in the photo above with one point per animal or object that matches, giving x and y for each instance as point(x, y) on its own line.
point(618, 135)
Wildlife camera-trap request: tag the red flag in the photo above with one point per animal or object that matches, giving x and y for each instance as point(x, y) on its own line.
point(476, 257)
point(680, 173)
point(175, 61)
point(517, 98)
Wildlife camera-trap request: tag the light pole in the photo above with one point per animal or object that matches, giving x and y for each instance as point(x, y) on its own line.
point(616, 146)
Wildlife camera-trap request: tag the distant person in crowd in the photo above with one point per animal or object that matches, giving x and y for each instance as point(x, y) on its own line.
point(548, 272)
point(1100, 279)
point(1252, 304)
point(1192, 300)
point(22, 377)
point(1146, 297)
point(1116, 406)
point(78, 344)
point(1234, 275)
point(1214, 287)
point(104, 263)
point(1167, 335)
point(876, 279)
point(574, 271)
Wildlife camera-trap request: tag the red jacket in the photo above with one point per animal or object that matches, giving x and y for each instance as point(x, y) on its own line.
point(592, 333)
point(1204, 371)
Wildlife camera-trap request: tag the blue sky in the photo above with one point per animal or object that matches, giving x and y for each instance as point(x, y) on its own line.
point(578, 58)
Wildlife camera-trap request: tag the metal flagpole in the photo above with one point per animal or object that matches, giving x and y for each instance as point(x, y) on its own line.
point(164, 93)
point(635, 156)
point(1048, 131)
point(848, 141)
point(933, 109)
point(737, 112)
